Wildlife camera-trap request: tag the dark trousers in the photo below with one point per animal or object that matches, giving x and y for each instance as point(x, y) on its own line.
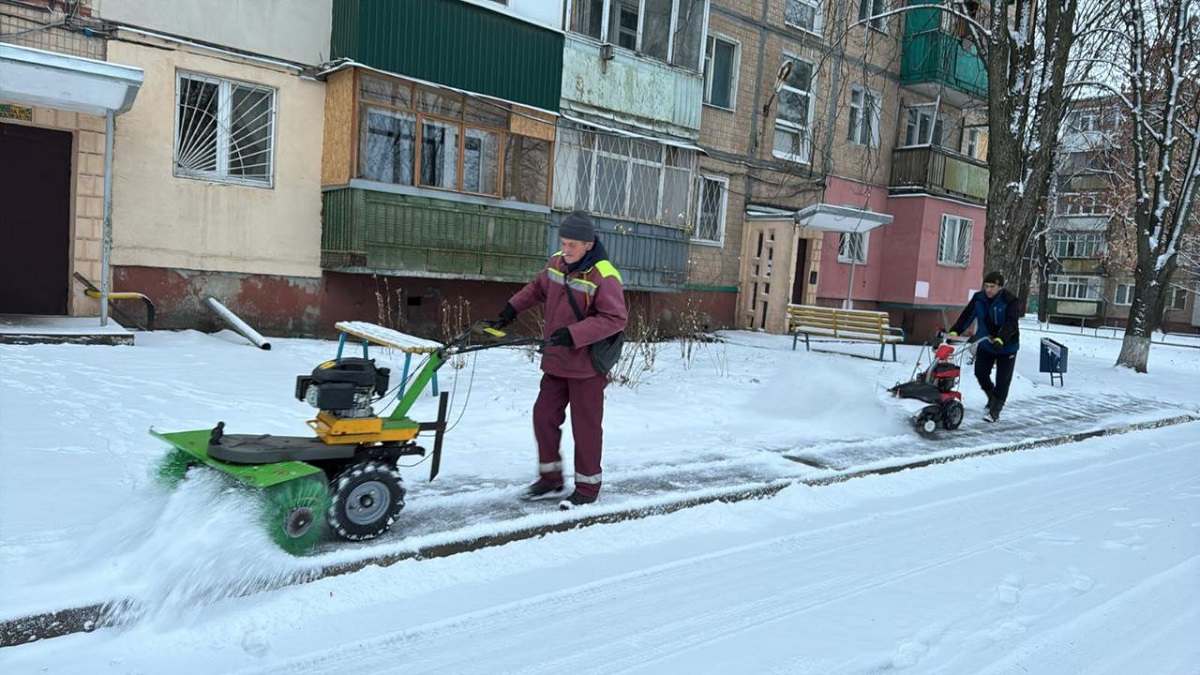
point(585, 396)
point(1004, 363)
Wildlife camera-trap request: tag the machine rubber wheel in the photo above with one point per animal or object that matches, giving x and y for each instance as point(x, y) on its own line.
point(926, 422)
point(172, 467)
point(367, 497)
point(952, 415)
point(294, 513)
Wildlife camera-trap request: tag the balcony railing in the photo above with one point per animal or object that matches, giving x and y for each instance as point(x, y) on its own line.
point(938, 171)
point(935, 60)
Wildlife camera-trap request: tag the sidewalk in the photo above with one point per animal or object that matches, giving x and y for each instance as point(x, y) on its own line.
point(26, 329)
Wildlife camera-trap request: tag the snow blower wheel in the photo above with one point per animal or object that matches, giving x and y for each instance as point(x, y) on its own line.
point(294, 513)
point(952, 415)
point(367, 497)
point(926, 422)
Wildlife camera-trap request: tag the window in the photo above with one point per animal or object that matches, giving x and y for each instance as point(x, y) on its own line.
point(954, 241)
point(667, 30)
point(390, 140)
point(803, 14)
point(1081, 204)
point(710, 210)
point(1177, 298)
point(852, 247)
point(1123, 294)
point(1064, 287)
point(624, 177)
point(864, 117)
point(975, 142)
point(873, 8)
point(793, 114)
point(720, 72)
point(1077, 244)
point(419, 136)
point(224, 130)
point(923, 127)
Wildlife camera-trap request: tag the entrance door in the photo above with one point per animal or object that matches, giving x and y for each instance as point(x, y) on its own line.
point(35, 213)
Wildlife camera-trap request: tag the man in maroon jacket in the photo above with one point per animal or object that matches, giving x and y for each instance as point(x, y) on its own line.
point(582, 269)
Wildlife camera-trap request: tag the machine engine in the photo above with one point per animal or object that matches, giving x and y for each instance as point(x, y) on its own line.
point(345, 387)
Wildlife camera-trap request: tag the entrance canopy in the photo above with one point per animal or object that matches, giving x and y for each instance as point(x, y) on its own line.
point(35, 77)
point(830, 218)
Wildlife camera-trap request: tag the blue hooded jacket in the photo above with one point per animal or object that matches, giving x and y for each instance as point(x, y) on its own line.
point(995, 317)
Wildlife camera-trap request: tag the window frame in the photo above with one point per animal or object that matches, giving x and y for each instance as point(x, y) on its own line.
point(1076, 245)
point(1092, 287)
point(938, 124)
point(1127, 291)
point(610, 30)
point(223, 141)
point(584, 161)
point(412, 110)
point(871, 104)
point(735, 62)
point(1178, 300)
point(818, 19)
point(869, 8)
point(846, 241)
point(791, 127)
point(721, 210)
point(962, 235)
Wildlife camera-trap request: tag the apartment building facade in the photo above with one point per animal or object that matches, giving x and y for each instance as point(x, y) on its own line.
point(1090, 249)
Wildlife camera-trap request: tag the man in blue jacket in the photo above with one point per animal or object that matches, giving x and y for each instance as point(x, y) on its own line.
point(995, 312)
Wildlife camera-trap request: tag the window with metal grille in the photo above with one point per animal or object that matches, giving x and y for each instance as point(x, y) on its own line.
point(793, 115)
point(954, 241)
point(720, 72)
point(1077, 244)
point(803, 14)
point(623, 177)
point(710, 210)
point(1067, 287)
point(852, 247)
point(224, 130)
point(864, 117)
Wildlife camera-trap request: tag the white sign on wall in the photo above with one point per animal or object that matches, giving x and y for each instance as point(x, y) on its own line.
point(922, 289)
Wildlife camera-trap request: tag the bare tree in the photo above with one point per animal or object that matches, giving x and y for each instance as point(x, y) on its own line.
point(1160, 87)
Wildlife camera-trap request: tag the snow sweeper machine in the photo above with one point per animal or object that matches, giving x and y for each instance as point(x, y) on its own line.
point(345, 478)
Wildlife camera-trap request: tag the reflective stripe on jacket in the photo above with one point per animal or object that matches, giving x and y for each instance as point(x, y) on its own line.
point(600, 296)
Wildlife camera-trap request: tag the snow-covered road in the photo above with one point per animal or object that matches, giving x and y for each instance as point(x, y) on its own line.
point(1047, 561)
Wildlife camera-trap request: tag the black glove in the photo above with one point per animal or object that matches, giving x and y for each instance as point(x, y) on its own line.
point(561, 338)
point(507, 315)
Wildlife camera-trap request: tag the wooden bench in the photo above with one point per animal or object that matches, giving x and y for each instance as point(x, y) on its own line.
point(842, 324)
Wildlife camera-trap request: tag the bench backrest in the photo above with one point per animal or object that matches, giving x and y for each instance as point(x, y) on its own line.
point(838, 322)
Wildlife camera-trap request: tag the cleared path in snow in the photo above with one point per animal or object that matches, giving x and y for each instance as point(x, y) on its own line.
point(1030, 567)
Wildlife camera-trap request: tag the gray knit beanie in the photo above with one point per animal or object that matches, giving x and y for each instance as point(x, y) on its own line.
point(578, 226)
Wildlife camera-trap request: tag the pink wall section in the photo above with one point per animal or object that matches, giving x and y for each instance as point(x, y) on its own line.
point(902, 252)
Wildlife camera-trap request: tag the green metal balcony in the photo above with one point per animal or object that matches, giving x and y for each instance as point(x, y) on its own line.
point(373, 231)
point(453, 43)
point(936, 62)
point(369, 230)
point(938, 171)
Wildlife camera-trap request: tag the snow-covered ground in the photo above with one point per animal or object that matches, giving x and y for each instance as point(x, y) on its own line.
point(1078, 558)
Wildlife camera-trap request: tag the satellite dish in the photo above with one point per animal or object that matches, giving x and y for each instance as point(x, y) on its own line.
point(785, 71)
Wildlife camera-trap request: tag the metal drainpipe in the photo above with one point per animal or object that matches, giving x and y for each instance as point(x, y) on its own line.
point(106, 236)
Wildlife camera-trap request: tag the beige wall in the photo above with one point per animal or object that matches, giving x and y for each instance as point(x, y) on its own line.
point(294, 30)
point(160, 220)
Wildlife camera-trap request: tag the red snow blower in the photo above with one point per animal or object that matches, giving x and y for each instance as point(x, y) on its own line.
point(934, 391)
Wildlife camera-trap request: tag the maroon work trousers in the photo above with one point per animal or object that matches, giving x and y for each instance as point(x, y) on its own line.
point(585, 397)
